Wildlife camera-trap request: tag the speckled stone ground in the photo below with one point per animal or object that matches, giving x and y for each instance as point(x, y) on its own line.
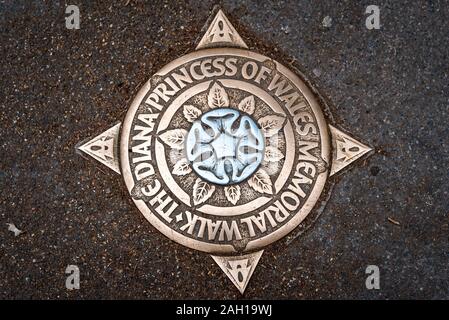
point(59, 86)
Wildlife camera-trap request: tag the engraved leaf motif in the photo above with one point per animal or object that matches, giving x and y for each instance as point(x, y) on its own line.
point(271, 124)
point(191, 113)
point(232, 193)
point(273, 154)
point(182, 167)
point(217, 97)
point(174, 138)
point(202, 191)
point(261, 182)
point(247, 105)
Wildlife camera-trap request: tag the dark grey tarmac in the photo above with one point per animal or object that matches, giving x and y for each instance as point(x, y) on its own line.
point(388, 87)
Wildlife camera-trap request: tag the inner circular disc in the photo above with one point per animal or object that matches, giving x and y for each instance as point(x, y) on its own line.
point(225, 146)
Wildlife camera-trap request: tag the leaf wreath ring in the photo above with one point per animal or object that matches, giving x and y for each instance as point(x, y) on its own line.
point(222, 151)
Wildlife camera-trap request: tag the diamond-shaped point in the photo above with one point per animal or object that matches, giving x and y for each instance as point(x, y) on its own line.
point(346, 150)
point(221, 33)
point(104, 148)
point(239, 269)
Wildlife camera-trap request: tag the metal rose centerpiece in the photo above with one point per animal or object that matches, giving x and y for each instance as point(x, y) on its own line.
point(225, 150)
point(222, 153)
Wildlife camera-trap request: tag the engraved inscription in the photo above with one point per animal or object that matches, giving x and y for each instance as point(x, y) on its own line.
point(225, 150)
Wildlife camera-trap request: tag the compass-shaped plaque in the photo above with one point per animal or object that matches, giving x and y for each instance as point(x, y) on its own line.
point(225, 150)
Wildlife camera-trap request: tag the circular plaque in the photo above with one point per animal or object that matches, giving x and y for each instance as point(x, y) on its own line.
point(225, 150)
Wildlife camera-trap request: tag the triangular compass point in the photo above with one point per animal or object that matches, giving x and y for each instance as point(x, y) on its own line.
point(239, 269)
point(104, 148)
point(346, 149)
point(221, 33)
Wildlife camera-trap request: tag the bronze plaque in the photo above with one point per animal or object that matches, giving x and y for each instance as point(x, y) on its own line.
point(225, 150)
